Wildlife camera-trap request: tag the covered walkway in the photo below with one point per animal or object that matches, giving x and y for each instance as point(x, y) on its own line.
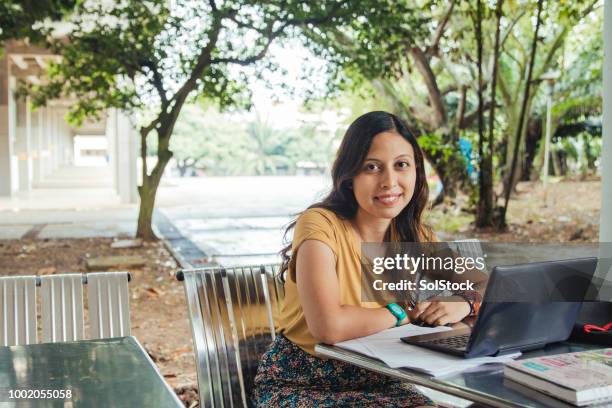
point(40, 151)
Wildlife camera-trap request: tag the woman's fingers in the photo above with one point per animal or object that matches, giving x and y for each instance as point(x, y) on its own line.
point(441, 321)
point(432, 317)
point(432, 307)
point(418, 310)
point(439, 312)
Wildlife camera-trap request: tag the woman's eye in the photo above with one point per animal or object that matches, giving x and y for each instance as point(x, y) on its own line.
point(403, 165)
point(371, 167)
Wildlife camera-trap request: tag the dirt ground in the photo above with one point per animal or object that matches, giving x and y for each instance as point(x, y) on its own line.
point(569, 212)
point(158, 308)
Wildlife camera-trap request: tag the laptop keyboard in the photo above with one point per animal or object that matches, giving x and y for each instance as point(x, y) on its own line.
point(455, 342)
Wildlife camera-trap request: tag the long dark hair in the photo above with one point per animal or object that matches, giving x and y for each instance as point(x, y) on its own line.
point(408, 225)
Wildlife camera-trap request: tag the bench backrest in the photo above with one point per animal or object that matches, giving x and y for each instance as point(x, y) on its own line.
point(233, 313)
point(62, 307)
point(109, 307)
point(62, 311)
point(17, 310)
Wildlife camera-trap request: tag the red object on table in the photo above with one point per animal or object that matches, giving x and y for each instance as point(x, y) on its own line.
point(591, 327)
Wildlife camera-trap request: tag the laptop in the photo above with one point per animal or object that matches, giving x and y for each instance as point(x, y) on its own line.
point(524, 308)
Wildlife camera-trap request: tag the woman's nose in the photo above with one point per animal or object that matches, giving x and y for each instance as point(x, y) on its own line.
point(388, 180)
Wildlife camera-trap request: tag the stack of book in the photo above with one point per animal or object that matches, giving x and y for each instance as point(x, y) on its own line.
point(583, 378)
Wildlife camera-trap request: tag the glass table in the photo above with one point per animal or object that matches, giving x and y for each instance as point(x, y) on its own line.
point(92, 373)
point(483, 385)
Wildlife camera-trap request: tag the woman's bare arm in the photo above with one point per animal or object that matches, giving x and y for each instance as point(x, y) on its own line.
point(328, 320)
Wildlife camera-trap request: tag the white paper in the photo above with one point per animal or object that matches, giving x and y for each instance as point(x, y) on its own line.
point(387, 347)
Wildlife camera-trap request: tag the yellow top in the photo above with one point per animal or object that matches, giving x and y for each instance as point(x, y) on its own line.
point(325, 226)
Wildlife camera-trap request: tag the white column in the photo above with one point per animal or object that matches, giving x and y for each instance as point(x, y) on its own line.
point(35, 146)
point(5, 152)
point(111, 137)
point(605, 225)
point(24, 143)
point(13, 134)
point(5, 139)
point(48, 141)
point(126, 150)
point(42, 114)
point(44, 142)
point(55, 151)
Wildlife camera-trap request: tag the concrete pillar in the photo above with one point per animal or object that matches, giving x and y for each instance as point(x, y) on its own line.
point(47, 140)
point(23, 144)
point(5, 152)
point(55, 151)
point(605, 225)
point(59, 137)
point(126, 150)
point(111, 138)
point(36, 121)
point(5, 139)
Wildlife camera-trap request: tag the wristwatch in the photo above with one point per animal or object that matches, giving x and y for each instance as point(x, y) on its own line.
point(397, 311)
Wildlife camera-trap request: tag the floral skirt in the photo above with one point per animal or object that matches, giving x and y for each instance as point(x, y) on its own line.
point(289, 377)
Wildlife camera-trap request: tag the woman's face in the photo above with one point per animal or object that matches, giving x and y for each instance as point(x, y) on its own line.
point(385, 184)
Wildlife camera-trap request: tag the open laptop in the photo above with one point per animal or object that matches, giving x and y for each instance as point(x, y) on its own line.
point(525, 307)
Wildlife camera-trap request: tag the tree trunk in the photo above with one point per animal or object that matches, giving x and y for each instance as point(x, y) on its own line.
point(521, 123)
point(147, 193)
point(484, 214)
point(514, 165)
point(486, 211)
point(532, 143)
point(150, 183)
point(182, 168)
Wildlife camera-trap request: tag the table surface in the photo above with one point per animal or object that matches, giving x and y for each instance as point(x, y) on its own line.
point(484, 384)
point(104, 373)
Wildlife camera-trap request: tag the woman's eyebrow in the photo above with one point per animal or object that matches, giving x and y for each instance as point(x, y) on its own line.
point(406, 155)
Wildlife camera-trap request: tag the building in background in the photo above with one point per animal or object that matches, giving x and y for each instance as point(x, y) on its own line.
point(39, 149)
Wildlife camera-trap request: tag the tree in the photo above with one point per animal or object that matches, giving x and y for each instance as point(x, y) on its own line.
point(485, 216)
point(559, 18)
point(265, 149)
point(423, 99)
point(521, 120)
point(577, 97)
point(207, 140)
point(133, 54)
point(425, 72)
point(26, 18)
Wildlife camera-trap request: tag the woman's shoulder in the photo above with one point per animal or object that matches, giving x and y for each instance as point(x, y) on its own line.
point(322, 215)
point(319, 216)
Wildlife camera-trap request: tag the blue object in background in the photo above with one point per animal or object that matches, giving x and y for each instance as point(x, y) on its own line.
point(465, 147)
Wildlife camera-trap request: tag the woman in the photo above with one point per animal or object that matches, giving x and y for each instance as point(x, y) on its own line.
point(379, 193)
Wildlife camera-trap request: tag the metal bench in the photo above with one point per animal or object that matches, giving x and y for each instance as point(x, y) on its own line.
point(233, 313)
point(62, 311)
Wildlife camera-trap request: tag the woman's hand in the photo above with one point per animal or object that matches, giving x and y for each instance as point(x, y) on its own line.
point(439, 311)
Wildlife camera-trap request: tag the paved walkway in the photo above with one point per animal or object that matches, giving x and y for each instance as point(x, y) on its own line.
point(68, 223)
point(231, 220)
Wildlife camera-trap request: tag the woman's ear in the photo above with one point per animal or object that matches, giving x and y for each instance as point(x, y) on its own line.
point(350, 184)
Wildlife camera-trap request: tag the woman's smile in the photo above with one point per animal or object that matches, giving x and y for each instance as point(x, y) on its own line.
point(388, 200)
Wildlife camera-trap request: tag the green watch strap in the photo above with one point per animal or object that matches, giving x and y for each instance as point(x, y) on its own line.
point(397, 311)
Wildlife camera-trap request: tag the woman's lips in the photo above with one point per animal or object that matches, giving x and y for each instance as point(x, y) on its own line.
point(388, 200)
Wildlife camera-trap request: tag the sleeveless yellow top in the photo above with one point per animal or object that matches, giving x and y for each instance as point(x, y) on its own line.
point(325, 226)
